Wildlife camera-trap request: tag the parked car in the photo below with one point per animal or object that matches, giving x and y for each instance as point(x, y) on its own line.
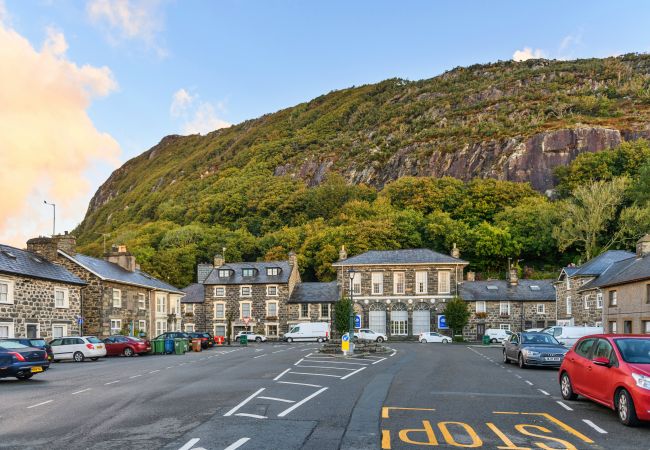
point(366, 334)
point(174, 335)
point(497, 334)
point(308, 331)
point(570, 335)
point(432, 336)
point(251, 336)
point(77, 348)
point(533, 349)
point(206, 339)
point(33, 342)
point(126, 345)
point(611, 369)
point(533, 330)
point(21, 361)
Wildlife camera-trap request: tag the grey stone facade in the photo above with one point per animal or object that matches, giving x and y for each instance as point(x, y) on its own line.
point(585, 309)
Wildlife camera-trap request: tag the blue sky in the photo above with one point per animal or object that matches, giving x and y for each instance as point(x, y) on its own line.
point(236, 60)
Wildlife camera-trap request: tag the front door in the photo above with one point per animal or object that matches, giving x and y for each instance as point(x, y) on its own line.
point(480, 331)
point(32, 331)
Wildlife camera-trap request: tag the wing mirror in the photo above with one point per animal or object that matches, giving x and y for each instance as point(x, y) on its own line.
point(602, 361)
point(563, 344)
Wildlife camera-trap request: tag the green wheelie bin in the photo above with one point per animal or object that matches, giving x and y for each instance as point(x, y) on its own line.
point(186, 345)
point(158, 346)
point(243, 340)
point(179, 346)
point(486, 339)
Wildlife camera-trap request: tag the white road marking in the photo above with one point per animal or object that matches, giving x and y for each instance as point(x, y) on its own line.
point(136, 376)
point(543, 391)
point(379, 360)
point(509, 371)
point(169, 367)
point(393, 354)
point(280, 376)
point(291, 348)
point(300, 384)
point(254, 416)
point(154, 371)
point(594, 426)
point(277, 351)
point(278, 399)
point(528, 382)
point(352, 373)
point(79, 392)
point(305, 349)
point(189, 444)
point(518, 376)
point(202, 359)
point(301, 360)
point(301, 402)
point(111, 382)
point(336, 362)
point(316, 374)
point(40, 404)
point(237, 444)
point(259, 356)
point(568, 408)
point(248, 399)
point(325, 367)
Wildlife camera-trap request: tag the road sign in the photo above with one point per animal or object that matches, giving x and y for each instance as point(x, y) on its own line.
point(345, 343)
point(442, 322)
point(357, 321)
point(80, 320)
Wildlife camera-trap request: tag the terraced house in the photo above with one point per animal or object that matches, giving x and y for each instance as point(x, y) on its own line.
point(118, 296)
point(400, 292)
point(37, 298)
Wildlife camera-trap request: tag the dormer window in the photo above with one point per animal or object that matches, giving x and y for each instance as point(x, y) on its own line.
point(248, 272)
point(272, 271)
point(534, 287)
point(491, 287)
point(224, 273)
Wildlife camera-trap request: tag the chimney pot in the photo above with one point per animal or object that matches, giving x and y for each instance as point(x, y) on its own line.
point(471, 276)
point(219, 260)
point(643, 246)
point(343, 254)
point(455, 252)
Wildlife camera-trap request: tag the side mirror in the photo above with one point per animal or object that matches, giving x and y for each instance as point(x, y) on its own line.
point(602, 361)
point(563, 344)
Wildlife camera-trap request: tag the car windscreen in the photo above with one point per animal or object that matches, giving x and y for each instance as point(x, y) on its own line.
point(94, 340)
point(133, 338)
point(635, 351)
point(12, 345)
point(539, 338)
point(205, 335)
point(37, 342)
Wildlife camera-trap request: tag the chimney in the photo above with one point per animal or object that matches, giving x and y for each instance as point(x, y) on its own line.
point(513, 277)
point(342, 253)
point(219, 260)
point(455, 252)
point(293, 258)
point(48, 247)
point(471, 276)
point(643, 246)
point(66, 242)
point(120, 255)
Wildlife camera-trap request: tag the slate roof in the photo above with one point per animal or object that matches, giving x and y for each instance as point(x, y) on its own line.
point(625, 271)
point(194, 293)
point(408, 256)
point(113, 272)
point(260, 276)
point(596, 266)
point(478, 291)
point(21, 262)
point(315, 293)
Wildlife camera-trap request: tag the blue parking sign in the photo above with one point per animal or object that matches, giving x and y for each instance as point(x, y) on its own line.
point(357, 321)
point(442, 322)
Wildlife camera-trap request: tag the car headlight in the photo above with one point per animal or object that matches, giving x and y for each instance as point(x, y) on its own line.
point(641, 380)
point(530, 353)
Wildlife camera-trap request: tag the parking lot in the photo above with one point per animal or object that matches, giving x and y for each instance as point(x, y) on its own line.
point(270, 396)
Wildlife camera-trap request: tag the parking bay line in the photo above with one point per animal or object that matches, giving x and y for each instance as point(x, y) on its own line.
point(189, 444)
point(336, 362)
point(79, 392)
point(237, 444)
point(136, 376)
point(379, 360)
point(111, 382)
point(300, 384)
point(43, 403)
point(568, 408)
point(253, 416)
point(325, 367)
point(278, 399)
point(594, 426)
point(248, 399)
point(318, 374)
point(301, 402)
point(352, 373)
point(280, 376)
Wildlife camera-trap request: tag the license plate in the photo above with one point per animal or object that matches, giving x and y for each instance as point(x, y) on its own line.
point(100, 346)
point(554, 358)
point(36, 369)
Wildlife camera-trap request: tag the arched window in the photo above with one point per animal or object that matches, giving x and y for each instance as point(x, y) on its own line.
point(421, 319)
point(399, 317)
point(377, 318)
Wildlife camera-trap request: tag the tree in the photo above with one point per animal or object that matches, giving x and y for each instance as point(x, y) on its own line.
point(457, 315)
point(342, 312)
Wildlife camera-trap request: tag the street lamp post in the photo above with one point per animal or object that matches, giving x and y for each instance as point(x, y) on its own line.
point(53, 217)
point(352, 274)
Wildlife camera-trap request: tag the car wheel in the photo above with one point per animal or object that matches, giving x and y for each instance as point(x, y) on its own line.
point(423, 341)
point(445, 341)
point(128, 351)
point(319, 340)
point(567, 388)
point(78, 357)
point(505, 358)
point(258, 339)
point(493, 341)
point(25, 376)
point(626, 411)
point(289, 340)
point(380, 339)
point(522, 364)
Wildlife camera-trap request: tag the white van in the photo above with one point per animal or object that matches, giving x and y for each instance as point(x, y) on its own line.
point(308, 331)
point(570, 335)
point(497, 334)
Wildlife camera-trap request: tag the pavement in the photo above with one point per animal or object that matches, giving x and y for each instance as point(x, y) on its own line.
point(288, 396)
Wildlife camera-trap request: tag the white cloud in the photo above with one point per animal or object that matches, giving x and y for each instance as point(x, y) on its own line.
point(197, 116)
point(528, 53)
point(4, 15)
point(48, 141)
point(569, 44)
point(129, 20)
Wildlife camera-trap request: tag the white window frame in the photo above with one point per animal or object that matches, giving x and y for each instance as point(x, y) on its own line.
point(481, 306)
point(224, 273)
point(585, 299)
point(178, 306)
point(356, 283)
point(421, 282)
point(220, 325)
point(541, 308)
point(399, 281)
point(189, 308)
point(64, 329)
point(613, 327)
point(161, 327)
point(272, 271)
point(507, 308)
point(320, 311)
point(300, 312)
point(241, 309)
point(117, 297)
point(161, 304)
point(9, 300)
point(599, 300)
point(569, 306)
point(378, 283)
point(272, 286)
point(613, 297)
point(142, 301)
point(250, 291)
point(224, 310)
point(10, 328)
point(142, 325)
point(268, 310)
point(216, 294)
point(116, 326)
point(444, 277)
point(504, 326)
point(187, 326)
point(277, 330)
point(38, 328)
point(66, 298)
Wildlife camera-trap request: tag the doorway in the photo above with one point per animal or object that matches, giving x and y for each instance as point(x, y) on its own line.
point(480, 331)
point(32, 330)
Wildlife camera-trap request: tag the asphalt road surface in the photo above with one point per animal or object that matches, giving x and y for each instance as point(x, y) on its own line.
point(288, 396)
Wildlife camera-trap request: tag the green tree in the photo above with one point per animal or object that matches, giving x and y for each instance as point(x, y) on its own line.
point(342, 311)
point(457, 315)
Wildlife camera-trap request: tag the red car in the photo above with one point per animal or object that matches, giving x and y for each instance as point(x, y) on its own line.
point(611, 369)
point(126, 345)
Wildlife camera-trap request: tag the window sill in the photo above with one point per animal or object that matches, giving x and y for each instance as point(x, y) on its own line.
point(62, 307)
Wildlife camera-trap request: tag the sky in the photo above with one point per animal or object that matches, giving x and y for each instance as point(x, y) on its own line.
point(87, 85)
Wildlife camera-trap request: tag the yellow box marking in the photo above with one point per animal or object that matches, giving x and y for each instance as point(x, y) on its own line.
point(557, 422)
point(385, 410)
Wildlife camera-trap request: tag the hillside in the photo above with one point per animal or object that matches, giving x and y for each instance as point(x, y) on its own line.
point(508, 121)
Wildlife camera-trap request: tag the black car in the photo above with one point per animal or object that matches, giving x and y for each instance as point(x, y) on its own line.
point(206, 339)
point(533, 349)
point(174, 335)
point(33, 342)
point(20, 361)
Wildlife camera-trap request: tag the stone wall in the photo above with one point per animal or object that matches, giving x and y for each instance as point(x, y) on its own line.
point(492, 318)
point(581, 316)
point(196, 317)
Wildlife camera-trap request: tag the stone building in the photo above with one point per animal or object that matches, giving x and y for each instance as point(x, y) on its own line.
point(624, 292)
point(37, 298)
point(118, 296)
point(313, 302)
point(193, 309)
point(400, 292)
point(577, 306)
point(511, 304)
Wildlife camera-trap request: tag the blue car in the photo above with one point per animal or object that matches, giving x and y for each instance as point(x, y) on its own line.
point(20, 361)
